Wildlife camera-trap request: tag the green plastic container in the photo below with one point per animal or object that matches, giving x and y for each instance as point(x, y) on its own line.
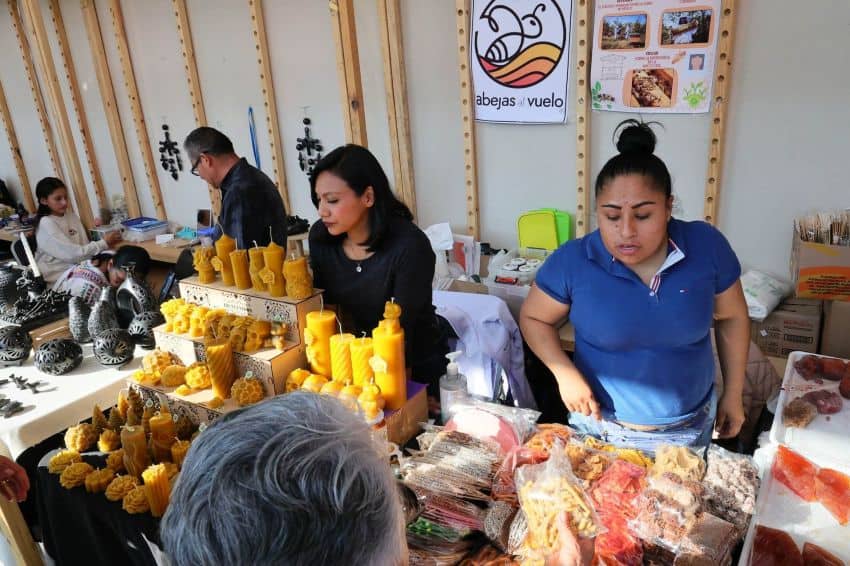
point(544, 228)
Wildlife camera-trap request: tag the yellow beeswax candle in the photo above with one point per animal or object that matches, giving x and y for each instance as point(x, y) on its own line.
point(241, 272)
point(223, 247)
point(179, 450)
point(135, 445)
point(163, 436)
point(157, 488)
point(341, 357)
point(257, 263)
point(388, 343)
point(299, 282)
point(320, 326)
point(220, 363)
point(272, 273)
point(361, 351)
point(201, 261)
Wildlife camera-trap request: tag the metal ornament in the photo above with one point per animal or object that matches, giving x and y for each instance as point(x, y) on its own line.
point(113, 347)
point(134, 297)
point(79, 312)
point(15, 345)
point(103, 315)
point(58, 356)
point(141, 328)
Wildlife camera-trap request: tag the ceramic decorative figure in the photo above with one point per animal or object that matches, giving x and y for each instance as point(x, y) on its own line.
point(79, 312)
point(113, 347)
point(58, 356)
point(15, 345)
point(103, 315)
point(141, 328)
point(134, 296)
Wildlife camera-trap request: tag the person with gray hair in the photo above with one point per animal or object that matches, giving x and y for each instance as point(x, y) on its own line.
point(295, 479)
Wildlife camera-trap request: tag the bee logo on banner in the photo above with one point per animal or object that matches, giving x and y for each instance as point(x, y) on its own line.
point(521, 68)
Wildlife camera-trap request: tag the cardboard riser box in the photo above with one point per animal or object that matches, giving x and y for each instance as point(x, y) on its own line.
point(793, 326)
point(259, 305)
point(270, 366)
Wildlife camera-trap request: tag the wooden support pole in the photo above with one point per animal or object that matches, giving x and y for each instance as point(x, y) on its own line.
point(136, 107)
point(14, 146)
point(181, 13)
point(467, 103)
point(582, 119)
point(392, 48)
point(76, 186)
point(348, 69)
point(32, 79)
point(258, 23)
point(110, 106)
point(722, 76)
point(77, 102)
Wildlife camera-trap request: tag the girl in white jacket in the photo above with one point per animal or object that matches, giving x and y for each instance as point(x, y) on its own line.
point(60, 236)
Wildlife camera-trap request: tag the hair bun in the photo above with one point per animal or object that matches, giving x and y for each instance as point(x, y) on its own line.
point(635, 137)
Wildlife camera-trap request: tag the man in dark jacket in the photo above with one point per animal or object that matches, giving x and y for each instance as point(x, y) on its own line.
point(250, 201)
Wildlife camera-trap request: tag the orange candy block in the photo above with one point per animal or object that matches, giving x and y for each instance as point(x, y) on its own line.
point(832, 489)
point(795, 472)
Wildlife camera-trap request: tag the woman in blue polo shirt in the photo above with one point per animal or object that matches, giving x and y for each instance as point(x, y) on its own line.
point(642, 292)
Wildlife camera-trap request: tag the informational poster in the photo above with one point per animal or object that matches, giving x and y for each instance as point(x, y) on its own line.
point(520, 58)
point(654, 56)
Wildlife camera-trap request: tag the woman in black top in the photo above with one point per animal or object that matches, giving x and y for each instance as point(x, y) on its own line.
point(366, 250)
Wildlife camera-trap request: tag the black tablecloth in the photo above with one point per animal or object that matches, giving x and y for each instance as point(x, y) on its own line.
point(86, 528)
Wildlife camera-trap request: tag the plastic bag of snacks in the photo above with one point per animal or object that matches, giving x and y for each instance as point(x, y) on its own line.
point(614, 495)
point(504, 486)
point(588, 464)
point(667, 510)
point(731, 483)
point(546, 491)
point(507, 426)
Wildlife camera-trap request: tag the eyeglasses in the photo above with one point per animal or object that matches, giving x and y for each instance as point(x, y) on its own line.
point(194, 169)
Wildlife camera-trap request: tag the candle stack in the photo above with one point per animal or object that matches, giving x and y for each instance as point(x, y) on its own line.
point(223, 247)
point(163, 435)
point(299, 282)
point(135, 445)
point(272, 272)
point(321, 325)
point(388, 344)
point(241, 272)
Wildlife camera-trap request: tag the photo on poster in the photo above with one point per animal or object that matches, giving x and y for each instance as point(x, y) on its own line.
point(520, 60)
point(654, 56)
point(651, 88)
point(692, 27)
point(624, 31)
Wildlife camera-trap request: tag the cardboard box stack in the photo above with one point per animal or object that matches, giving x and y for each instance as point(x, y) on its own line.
point(794, 326)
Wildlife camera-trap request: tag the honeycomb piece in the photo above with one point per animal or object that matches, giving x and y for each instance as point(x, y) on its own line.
point(174, 376)
point(247, 391)
point(109, 441)
point(198, 376)
point(75, 475)
point(120, 487)
point(80, 437)
point(136, 501)
point(62, 460)
point(99, 480)
point(145, 377)
point(155, 362)
point(184, 390)
point(115, 461)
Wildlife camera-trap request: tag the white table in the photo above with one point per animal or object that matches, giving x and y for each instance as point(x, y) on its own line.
point(66, 400)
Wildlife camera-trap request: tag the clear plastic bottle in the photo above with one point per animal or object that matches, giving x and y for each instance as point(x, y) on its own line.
point(452, 387)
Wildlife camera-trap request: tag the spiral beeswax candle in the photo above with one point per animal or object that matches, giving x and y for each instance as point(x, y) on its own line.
point(220, 363)
point(341, 357)
point(361, 350)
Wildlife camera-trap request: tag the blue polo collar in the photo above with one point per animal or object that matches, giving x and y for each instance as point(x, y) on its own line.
point(599, 254)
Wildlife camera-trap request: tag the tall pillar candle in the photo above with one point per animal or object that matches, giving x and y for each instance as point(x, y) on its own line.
point(256, 264)
point(241, 272)
point(321, 325)
point(223, 247)
point(135, 445)
point(361, 351)
point(219, 355)
point(341, 357)
point(163, 435)
point(272, 273)
point(299, 282)
point(388, 343)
